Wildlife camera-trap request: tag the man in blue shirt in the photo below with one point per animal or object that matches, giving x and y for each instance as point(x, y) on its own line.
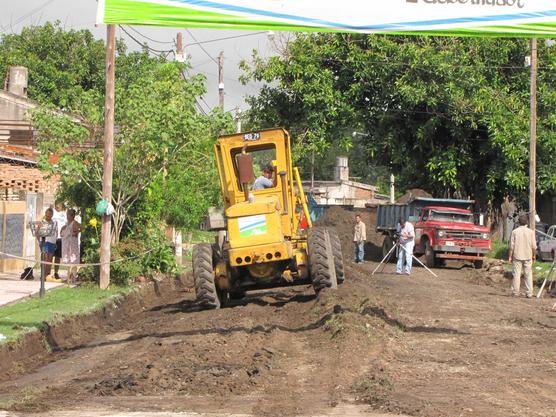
point(265, 180)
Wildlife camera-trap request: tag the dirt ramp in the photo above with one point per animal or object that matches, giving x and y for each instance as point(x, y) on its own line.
point(343, 221)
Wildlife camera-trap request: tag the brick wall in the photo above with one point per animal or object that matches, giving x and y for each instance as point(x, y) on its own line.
point(23, 178)
point(363, 194)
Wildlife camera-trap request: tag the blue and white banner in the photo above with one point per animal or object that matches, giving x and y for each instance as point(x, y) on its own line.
point(443, 17)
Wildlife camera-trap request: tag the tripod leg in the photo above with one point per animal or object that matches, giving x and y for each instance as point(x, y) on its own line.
point(548, 278)
point(393, 251)
point(420, 263)
point(385, 259)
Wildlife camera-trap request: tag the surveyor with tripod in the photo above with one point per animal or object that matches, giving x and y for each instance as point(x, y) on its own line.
point(406, 236)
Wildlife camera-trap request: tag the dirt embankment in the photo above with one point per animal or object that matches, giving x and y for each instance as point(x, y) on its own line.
point(276, 353)
point(420, 345)
point(343, 221)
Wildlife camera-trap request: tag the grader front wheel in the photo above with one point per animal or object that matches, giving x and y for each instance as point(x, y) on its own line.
point(203, 275)
point(338, 256)
point(321, 259)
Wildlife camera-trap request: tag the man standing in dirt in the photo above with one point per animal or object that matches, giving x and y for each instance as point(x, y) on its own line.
point(407, 242)
point(523, 247)
point(359, 238)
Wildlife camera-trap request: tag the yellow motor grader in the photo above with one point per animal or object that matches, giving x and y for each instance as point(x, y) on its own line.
point(266, 238)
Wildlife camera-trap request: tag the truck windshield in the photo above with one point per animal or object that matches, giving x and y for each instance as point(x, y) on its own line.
point(451, 216)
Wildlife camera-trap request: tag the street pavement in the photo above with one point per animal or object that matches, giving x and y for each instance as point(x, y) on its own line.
point(13, 289)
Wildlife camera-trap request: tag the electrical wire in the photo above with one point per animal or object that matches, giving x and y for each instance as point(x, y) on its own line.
point(32, 12)
point(150, 39)
point(201, 46)
point(144, 44)
point(224, 39)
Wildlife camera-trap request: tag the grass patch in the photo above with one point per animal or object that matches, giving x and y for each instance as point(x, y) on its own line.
point(26, 316)
point(25, 400)
point(499, 249)
point(201, 236)
point(540, 271)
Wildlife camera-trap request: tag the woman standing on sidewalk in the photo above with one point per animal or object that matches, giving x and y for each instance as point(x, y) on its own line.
point(70, 244)
point(49, 245)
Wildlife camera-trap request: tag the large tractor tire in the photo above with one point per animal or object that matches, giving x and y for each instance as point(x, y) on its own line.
point(321, 259)
point(338, 256)
point(203, 276)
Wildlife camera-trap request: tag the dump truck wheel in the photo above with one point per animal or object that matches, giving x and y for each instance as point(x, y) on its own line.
point(430, 259)
point(338, 256)
point(203, 276)
point(321, 259)
point(387, 244)
point(478, 264)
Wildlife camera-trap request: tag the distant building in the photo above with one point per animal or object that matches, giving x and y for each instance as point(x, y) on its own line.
point(24, 190)
point(342, 191)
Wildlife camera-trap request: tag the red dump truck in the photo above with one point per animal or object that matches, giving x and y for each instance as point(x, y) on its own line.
point(444, 229)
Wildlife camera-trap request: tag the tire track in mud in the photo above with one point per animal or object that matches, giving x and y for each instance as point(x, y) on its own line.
point(269, 355)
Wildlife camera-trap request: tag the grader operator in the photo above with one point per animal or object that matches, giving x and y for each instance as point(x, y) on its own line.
point(263, 243)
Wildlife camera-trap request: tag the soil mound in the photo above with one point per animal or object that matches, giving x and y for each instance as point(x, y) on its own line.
point(414, 192)
point(343, 220)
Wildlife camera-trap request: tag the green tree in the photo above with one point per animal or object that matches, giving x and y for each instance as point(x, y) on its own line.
point(163, 145)
point(161, 139)
point(62, 63)
point(449, 115)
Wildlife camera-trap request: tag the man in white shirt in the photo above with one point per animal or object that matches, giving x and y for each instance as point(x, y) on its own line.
point(407, 243)
point(265, 180)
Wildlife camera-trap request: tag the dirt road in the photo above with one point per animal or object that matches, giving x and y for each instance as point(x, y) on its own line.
point(455, 345)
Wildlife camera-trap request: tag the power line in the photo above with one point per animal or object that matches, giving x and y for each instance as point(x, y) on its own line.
point(32, 12)
point(223, 39)
point(150, 39)
point(144, 44)
point(201, 46)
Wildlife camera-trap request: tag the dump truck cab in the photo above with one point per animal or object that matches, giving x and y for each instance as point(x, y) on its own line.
point(262, 244)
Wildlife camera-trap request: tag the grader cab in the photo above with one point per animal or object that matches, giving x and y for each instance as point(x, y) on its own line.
point(267, 240)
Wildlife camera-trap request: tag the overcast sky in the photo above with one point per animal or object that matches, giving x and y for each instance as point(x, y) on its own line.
point(80, 14)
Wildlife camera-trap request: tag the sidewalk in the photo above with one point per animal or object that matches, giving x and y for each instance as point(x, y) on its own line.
point(12, 288)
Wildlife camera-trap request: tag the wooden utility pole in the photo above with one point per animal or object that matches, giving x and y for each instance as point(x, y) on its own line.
point(533, 139)
point(180, 56)
point(221, 80)
point(106, 235)
point(238, 120)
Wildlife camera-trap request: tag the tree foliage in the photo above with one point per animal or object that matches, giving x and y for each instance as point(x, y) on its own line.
point(62, 63)
point(450, 115)
point(163, 145)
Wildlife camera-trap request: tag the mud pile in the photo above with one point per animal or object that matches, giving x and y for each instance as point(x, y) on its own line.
point(413, 193)
point(343, 221)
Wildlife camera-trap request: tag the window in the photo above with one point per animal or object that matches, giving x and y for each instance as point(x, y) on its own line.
point(262, 156)
point(451, 216)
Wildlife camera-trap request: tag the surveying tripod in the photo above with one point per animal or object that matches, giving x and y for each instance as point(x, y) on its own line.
point(397, 247)
point(549, 279)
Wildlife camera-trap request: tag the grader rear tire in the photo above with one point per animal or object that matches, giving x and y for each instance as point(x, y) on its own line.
point(321, 259)
point(338, 256)
point(203, 276)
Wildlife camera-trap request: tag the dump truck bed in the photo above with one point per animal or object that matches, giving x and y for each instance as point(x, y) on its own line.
point(389, 214)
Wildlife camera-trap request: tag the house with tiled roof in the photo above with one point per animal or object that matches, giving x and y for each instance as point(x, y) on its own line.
point(25, 190)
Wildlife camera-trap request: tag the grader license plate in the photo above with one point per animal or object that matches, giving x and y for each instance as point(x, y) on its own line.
point(252, 226)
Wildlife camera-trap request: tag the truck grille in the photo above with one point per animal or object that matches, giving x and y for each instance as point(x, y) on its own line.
point(459, 234)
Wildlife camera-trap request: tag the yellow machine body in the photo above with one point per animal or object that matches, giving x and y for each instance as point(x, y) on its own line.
point(263, 238)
